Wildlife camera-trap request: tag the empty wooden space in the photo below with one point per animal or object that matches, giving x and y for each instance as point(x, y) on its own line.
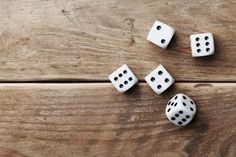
point(56, 99)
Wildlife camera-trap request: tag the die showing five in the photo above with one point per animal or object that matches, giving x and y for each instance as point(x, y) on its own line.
point(181, 109)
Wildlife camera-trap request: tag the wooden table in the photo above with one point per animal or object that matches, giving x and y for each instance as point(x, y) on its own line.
point(56, 99)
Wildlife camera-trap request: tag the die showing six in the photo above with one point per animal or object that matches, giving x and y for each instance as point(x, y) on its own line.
point(181, 109)
point(123, 78)
point(202, 44)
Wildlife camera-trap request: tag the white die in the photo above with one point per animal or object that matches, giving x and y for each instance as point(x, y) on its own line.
point(123, 78)
point(181, 109)
point(159, 79)
point(202, 44)
point(160, 34)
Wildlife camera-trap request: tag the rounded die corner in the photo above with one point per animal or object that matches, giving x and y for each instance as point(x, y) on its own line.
point(146, 78)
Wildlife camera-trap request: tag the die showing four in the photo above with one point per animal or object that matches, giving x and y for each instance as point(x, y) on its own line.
point(181, 109)
point(159, 79)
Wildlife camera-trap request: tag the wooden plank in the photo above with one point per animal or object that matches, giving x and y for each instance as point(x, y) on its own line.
point(87, 40)
point(48, 120)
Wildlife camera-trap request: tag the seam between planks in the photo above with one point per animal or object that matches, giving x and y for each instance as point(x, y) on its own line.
point(100, 81)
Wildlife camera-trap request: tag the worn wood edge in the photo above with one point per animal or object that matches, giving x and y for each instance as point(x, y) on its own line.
point(82, 84)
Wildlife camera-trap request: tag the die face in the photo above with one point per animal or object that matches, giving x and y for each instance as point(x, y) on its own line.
point(188, 104)
point(202, 44)
point(180, 110)
point(159, 79)
point(160, 34)
point(179, 117)
point(123, 78)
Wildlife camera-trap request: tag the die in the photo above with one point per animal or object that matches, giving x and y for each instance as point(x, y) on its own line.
point(159, 79)
point(160, 34)
point(180, 110)
point(202, 44)
point(123, 78)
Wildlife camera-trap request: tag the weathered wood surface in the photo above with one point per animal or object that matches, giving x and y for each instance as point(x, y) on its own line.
point(87, 39)
point(58, 120)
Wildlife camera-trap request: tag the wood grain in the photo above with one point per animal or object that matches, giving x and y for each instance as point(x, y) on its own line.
point(78, 40)
point(88, 120)
point(86, 40)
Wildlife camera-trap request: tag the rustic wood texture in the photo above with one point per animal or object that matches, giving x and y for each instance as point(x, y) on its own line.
point(58, 120)
point(86, 39)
